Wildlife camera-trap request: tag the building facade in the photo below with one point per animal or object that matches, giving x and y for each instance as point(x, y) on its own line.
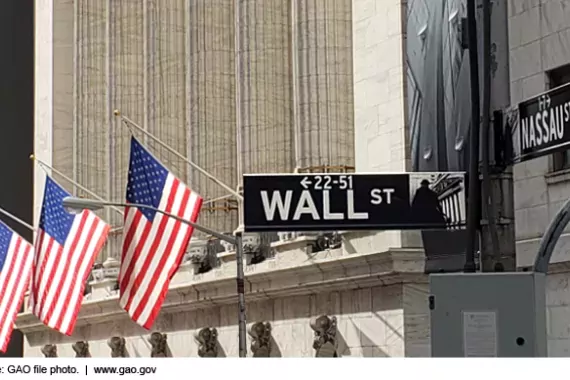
point(299, 86)
point(238, 87)
point(315, 88)
point(539, 57)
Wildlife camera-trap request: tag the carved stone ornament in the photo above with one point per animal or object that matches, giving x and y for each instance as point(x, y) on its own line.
point(49, 351)
point(198, 250)
point(286, 236)
point(117, 345)
point(81, 349)
point(325, 343)
point(207, 339)
point(328, 240)
point(251, 243)
point(111, 268)
point(228, 247)
point(257, 246)
point(261, 339)
point(97, 272)
point(158, 342)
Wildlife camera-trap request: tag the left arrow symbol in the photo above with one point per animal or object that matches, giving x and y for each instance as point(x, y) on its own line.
point(305, 182)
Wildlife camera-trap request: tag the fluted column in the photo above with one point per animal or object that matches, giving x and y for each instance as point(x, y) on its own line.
point(323, 81)
point(92, 125)
point(92, 128)
point(166, 114)
point(211, 106)
point(266, 143)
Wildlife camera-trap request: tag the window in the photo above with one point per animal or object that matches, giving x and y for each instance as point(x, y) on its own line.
point(558, 77)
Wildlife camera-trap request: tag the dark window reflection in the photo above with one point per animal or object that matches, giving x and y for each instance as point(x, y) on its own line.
point(438, 85)
point(439, 117)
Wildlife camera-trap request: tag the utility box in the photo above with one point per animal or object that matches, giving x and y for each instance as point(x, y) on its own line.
point(488, 315)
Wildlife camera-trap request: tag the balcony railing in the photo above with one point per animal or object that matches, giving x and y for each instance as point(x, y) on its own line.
point(451, 194)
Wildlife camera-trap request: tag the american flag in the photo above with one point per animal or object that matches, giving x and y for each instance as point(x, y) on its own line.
point(153, 244)
point(16, 257)
point(66, 247)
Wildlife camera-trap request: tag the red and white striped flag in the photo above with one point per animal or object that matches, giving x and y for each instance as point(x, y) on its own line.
point(66, 248)
point(153, 244)
point(16, 257)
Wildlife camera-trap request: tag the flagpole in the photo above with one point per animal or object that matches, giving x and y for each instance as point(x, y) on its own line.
point(16, 219)
point(178, 154)
point(44, 165)
point(218, 199)
point(240, 276)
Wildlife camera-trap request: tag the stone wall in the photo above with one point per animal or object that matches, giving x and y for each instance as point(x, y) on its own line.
point(53, 91)
point(379, 98)
point(538, 43)
point(378, 297)
point(416, 320)
point(370, 324)
point(43, 95)
point(538, 39)
point(558, 314)
point(380, 120)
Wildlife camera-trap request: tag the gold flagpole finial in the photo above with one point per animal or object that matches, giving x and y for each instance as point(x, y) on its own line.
point(32, 157)
point(117, 113)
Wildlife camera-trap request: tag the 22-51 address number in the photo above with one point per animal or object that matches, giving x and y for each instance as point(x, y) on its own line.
point(326, 182)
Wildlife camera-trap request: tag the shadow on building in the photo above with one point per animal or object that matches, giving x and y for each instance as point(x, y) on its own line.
point(17, 110)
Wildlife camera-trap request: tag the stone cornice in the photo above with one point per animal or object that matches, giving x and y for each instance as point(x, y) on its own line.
point(294, 271)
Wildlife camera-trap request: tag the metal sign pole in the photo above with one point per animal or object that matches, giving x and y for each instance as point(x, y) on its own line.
point(474, 204)
point(240, 280)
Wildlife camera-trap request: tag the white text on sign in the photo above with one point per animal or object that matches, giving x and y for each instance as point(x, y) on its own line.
point(327, 182)
point(277, 203)
point(545, 126)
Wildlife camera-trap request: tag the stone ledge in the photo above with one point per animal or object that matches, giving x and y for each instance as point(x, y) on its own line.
point(335, 272)
point(558, 176)
point(299, 243)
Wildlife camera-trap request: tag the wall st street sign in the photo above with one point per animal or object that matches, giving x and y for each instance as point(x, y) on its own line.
point(320, 202)
point(543, 124)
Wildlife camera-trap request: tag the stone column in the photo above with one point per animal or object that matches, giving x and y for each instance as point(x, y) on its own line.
point(210, 86)
point(380, 132)
point(322, 54)
point(265, 115)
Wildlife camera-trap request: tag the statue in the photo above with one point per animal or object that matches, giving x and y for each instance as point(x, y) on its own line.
point(81, 349)
point(208, 341)
point(325, 343)
point(117, 346)
point(261, 339)
point(49, 351)
point(158, 342)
